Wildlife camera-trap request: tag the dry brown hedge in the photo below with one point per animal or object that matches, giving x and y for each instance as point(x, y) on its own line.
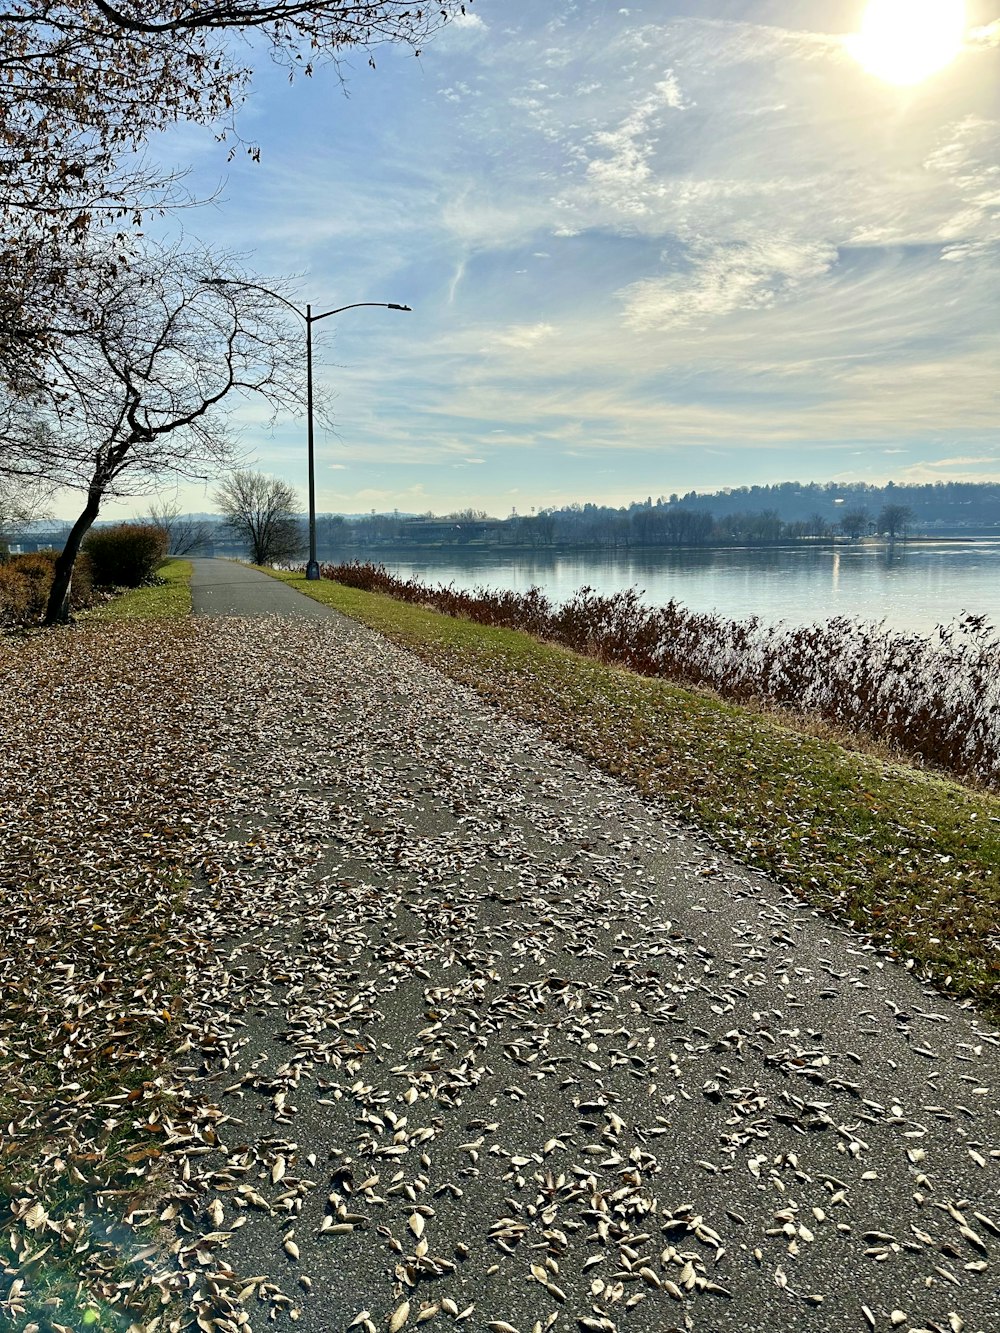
point(25, 581)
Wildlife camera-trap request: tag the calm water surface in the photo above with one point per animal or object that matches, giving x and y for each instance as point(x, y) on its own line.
point(913, 586)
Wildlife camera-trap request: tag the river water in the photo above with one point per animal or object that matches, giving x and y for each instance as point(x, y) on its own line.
point(912, 586)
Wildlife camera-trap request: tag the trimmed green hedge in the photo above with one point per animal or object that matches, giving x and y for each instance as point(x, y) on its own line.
point(126, 555)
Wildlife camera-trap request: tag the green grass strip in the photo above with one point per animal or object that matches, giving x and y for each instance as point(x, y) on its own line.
point(169, 599)
point(908, 857)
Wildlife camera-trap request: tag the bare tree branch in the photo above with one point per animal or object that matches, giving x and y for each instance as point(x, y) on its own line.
point(185, 535)
point(21, 502)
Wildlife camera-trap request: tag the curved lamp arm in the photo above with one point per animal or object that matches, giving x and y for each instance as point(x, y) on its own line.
point(302, 314)
point(386, 305)
point(253, 286)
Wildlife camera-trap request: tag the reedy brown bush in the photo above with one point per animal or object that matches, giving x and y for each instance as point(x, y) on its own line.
point(935, 698)
point(25, 581)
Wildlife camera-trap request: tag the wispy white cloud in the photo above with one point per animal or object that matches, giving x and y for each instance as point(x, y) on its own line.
point(467, 21)
point(621, 173)
point(721, 279)
point(965, 160)
point(457, 277)
point(951, 469)
point(521, 336)
point(987, 35)
point(945, 463)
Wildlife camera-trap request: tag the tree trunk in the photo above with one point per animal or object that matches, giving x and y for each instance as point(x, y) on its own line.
point(57, 611)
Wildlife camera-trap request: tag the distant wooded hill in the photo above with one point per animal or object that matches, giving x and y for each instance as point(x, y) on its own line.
point(943, 503)
point(745, 515)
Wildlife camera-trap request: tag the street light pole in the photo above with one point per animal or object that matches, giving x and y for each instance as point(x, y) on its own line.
point(312, 568)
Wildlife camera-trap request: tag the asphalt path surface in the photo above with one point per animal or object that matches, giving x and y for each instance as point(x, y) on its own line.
point(497, 1044)
point(226, 588)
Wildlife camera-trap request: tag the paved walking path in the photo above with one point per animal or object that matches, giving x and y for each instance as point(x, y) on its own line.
point(225, 588)
point(505, 1048)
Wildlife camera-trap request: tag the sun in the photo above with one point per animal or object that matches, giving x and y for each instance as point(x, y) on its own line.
point(905, 41)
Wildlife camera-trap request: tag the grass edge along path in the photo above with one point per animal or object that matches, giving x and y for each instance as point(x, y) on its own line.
point(909, 858)
point(167, 599)
point(76, 1183)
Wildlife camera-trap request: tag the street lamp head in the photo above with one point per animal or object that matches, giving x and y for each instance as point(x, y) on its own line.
point(394, 306)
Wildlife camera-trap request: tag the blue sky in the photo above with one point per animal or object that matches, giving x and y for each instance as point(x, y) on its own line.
point(648, 247)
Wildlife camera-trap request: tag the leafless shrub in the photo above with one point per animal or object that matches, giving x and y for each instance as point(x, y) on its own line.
point(185, 535)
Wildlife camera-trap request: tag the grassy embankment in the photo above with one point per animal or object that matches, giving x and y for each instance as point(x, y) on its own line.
point(167, 600)
point(909, 857)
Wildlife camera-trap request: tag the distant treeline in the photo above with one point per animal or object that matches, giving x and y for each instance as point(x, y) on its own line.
point(745, 516)
point(755, 515)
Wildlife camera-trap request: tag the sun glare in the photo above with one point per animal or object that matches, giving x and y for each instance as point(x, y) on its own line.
point(905, 41)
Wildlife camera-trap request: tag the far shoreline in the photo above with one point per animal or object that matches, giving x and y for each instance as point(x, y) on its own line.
point(556, 548)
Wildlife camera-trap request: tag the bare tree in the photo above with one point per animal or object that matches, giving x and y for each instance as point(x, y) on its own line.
point(136, 391)
point(262, 511)
point(85, 84)
point(855, 522)
point(817, 526)
point(185, 535)
point(893, 520)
